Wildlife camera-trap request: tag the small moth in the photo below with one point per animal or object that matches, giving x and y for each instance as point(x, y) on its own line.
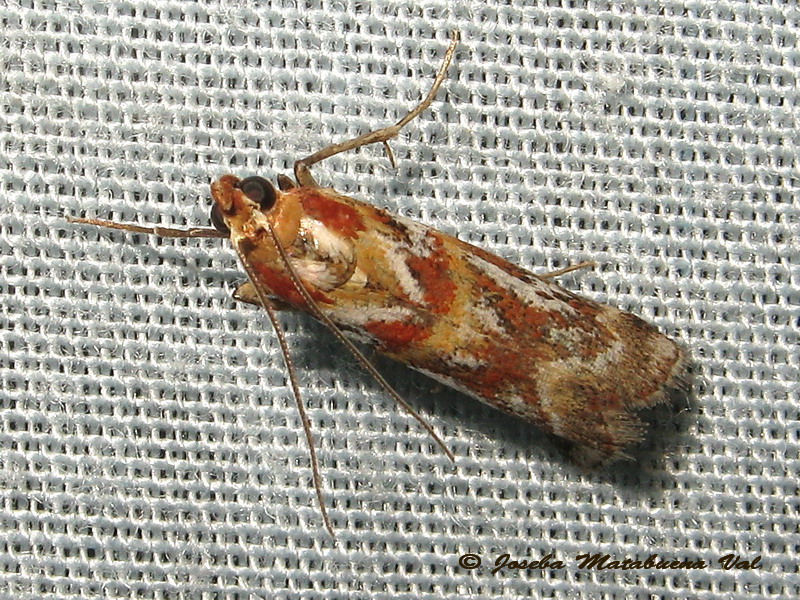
point(515, 340)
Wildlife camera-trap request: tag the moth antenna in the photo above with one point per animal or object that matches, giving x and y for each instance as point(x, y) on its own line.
point(194, 232)
point(287, 359)
point(363, 360)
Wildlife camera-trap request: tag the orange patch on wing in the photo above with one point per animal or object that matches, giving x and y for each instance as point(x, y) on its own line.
point(336, 215)
point(397, 335)
point(282, 286)
point(433, 275)
point(505, 369)
point(520, 320)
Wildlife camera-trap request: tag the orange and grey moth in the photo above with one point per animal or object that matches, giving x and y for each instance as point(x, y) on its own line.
point(471, 320)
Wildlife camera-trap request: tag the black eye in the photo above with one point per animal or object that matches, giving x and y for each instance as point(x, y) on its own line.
point(259, 190)
point(217, 221)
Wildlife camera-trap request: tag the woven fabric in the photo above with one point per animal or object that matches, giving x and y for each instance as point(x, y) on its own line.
point(149, 444)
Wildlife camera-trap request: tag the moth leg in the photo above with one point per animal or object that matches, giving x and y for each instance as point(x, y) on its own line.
point(247, 293)
point(301, 167)
point(588, 264)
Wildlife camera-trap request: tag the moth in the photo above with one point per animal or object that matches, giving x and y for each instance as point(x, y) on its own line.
point(473, 321)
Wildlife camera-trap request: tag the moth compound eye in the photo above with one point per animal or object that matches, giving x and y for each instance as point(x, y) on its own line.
point(217, 221)
point(259, 190)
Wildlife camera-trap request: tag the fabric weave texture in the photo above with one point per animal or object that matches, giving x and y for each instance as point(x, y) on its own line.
point(149, 444)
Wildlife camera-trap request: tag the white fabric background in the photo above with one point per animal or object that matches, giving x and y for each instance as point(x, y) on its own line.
point(149, 447)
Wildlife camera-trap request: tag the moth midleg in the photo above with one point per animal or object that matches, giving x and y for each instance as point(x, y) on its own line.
point(301, 167)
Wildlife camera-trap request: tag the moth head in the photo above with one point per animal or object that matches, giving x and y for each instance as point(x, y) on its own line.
point(240, 197)
point(245, 205)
